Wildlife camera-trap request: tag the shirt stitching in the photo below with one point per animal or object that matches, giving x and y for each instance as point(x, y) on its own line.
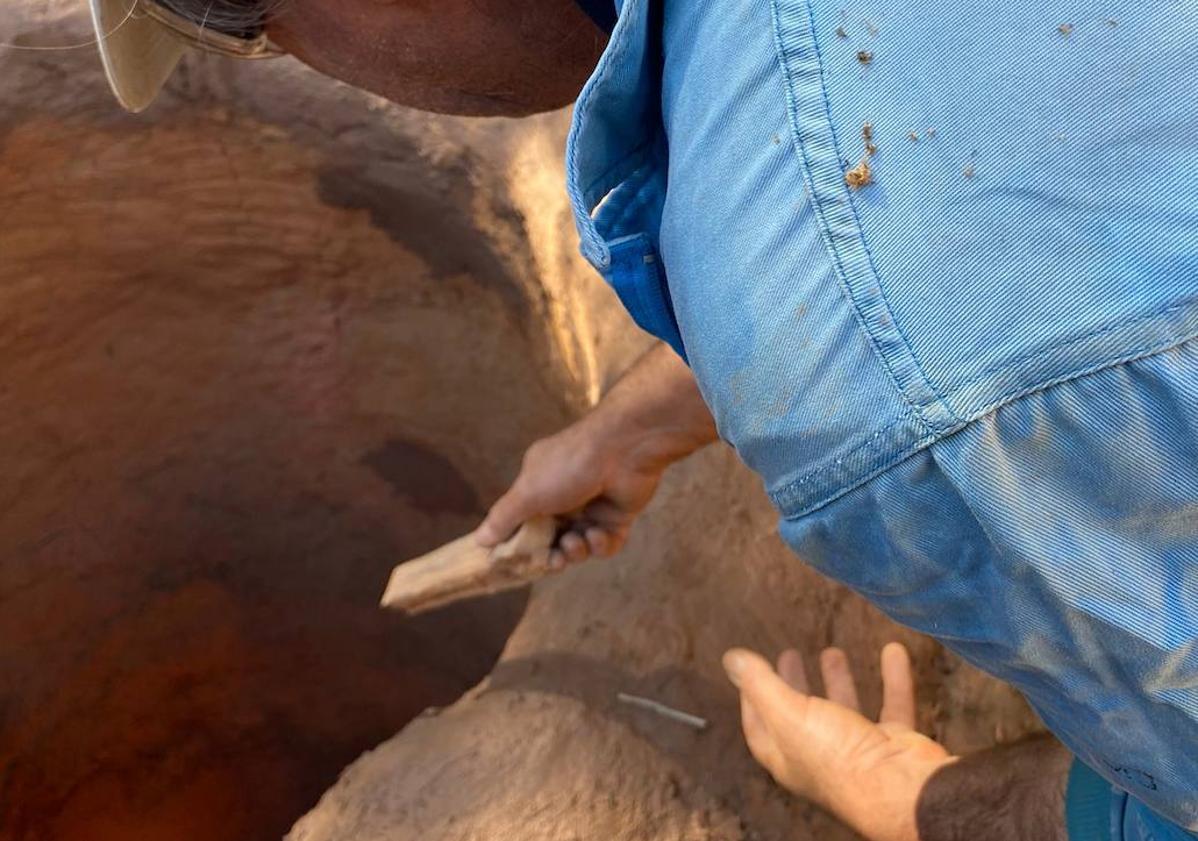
point(841, 490)
point(820, 200)
point(1142, 352)
point(1010, 396)
point(851, 203)
point(1064, 343)
point(835, 253)
point(794, 485)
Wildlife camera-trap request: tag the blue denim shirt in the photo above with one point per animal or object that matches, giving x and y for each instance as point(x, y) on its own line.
point(969, 386)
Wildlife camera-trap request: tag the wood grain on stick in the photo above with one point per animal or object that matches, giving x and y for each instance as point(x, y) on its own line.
point(463, 569)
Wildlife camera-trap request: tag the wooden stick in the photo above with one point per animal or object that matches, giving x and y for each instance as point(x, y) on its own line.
point(463, 569)
point(661, 709)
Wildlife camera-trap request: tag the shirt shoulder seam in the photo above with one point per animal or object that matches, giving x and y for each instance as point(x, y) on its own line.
point(793, 503)
point(815, 141)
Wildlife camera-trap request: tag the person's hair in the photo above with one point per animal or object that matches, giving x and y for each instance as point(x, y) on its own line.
point(233, 17)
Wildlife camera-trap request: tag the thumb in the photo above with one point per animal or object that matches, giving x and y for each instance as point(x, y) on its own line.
point(505, 516)
point(767, 706)
point(761, 686)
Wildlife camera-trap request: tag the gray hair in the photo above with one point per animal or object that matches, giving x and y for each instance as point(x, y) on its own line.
point(232, 17)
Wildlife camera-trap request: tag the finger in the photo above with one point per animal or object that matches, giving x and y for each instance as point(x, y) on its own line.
point(505, 516)
point(617, 536)
point(557, 560)
point(604, 512)
point(573, 547)
point(613, 520)
point(758, 737)
point(598, 541)
point(838, 678)
point(757, 681)
point(750, 719)
point(898, 687)
point(791, 670)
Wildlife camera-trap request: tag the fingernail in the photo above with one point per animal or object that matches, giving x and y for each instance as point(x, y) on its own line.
point(734, 665)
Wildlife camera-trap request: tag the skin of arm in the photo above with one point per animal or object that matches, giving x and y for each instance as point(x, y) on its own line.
point(601, 472)
point(477, 57)
point(886, 780)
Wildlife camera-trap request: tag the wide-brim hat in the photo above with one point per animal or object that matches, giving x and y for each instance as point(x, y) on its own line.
point(141, 42)
point(139, 51)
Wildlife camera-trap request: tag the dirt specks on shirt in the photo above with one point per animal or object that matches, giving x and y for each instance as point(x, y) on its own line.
point(861, 175)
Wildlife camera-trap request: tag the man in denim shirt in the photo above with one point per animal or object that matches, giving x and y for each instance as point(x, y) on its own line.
point(933, 270)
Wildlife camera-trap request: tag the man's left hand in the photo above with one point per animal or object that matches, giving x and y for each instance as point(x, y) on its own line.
point(868, 774)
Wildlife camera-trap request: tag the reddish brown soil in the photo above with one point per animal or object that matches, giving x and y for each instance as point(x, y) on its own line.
point(249, 358)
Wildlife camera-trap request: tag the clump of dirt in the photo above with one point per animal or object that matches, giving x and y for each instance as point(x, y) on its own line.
point(861, 175)
point(867, 135)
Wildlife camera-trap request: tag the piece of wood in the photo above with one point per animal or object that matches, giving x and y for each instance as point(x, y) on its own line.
point(661, 709)
point(463, 569)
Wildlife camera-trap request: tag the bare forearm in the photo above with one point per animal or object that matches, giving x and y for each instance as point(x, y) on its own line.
point(659, 402)
point(1011, 792)
point(601, 471)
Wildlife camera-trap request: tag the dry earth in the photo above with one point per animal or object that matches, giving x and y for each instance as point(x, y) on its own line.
point(259, 344)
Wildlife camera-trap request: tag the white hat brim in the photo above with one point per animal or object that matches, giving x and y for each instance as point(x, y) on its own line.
point(138, 52)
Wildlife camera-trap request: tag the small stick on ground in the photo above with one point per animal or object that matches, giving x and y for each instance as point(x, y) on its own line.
point(662, 710)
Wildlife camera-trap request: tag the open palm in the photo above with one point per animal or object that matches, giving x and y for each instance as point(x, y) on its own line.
point(868, 774)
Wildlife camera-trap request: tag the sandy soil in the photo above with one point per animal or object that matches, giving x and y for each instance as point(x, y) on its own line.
point(249, 358)
point(543, 750)
point(253, 348)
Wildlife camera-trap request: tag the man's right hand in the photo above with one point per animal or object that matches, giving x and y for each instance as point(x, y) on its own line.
point(586, 475)
point(599, 474)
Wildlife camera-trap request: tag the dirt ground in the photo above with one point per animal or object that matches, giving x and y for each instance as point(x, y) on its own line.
point(255, 347)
